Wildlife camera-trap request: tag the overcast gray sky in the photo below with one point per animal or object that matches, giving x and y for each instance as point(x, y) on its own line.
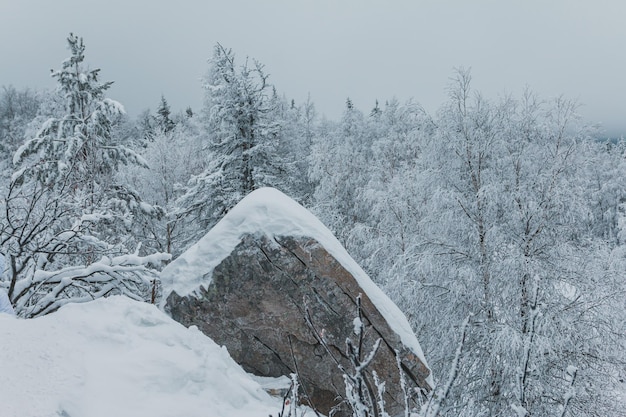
point(332, 49)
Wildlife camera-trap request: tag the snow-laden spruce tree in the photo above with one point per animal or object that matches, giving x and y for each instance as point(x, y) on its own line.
point(66, 221)
point(163, 120)
point(241, 140)
point(293, 146)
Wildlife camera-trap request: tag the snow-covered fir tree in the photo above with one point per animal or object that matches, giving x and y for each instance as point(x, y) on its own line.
point(164, 122)
point(293, 146)
point(67, 222)
point(241, 135)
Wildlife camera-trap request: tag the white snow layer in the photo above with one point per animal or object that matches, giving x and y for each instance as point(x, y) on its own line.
point(270, 212)
point(123, 358)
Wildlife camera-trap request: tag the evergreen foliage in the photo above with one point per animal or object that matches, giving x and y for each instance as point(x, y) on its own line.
point(241, 135)
point(67, 222)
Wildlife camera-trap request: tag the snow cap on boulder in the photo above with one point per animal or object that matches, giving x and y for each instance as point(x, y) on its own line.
point(269, 212)
point(252, 279)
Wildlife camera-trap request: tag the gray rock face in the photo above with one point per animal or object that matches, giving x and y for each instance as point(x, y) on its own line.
point(256, 306)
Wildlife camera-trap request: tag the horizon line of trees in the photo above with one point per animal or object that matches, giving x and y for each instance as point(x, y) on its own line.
point(507, 211)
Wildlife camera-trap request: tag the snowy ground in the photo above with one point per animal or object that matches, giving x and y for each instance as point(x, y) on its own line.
point(118, 357)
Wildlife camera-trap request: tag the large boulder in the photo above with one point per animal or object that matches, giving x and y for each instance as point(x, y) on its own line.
point(273, 285)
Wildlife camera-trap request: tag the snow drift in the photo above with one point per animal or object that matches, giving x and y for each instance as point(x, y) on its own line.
point(118, 357)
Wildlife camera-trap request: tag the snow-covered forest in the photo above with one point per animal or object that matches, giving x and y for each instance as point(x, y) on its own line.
point(509, 212)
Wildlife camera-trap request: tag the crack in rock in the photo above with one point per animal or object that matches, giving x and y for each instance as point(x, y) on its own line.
point(256, 304)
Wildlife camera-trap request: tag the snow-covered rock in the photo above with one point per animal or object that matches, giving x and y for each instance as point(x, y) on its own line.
point(251, 282)
point(269, 212)
point(118, 357)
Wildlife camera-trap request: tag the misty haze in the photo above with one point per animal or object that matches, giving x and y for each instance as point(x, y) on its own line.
point(328, 208)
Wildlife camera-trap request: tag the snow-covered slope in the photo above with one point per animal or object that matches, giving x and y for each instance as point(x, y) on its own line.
point(118, 357)
point(270, 212)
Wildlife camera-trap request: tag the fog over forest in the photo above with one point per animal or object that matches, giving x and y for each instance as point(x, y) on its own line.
point(496, 222)
point(333, 50)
